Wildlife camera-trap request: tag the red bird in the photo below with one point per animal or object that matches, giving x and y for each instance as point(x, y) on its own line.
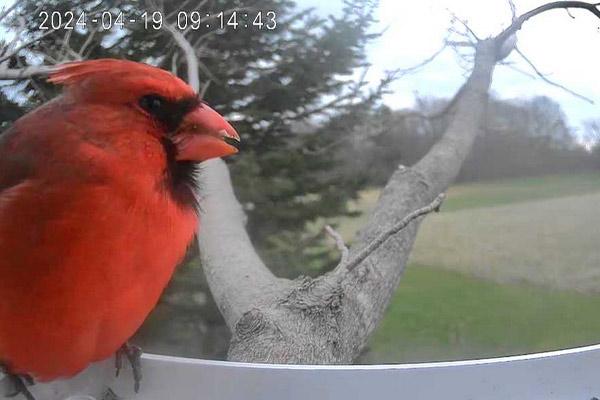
point(97, 207)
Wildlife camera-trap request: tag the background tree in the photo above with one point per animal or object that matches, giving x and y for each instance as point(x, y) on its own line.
point(521, 138)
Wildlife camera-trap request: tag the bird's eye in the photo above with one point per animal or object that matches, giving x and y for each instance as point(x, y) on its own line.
point(152, 103)
point(168, 112)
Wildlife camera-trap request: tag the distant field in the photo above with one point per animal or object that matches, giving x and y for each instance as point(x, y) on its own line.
point(511, 191)
point(487, 194)
point(553, 242)
point(443, 315)
point(507, 267)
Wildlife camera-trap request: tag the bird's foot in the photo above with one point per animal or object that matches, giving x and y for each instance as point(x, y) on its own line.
point(134, 355)
point(17, 384)
point(110, 395)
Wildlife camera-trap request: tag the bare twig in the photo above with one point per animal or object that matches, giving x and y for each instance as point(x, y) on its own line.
point(465, 24)
point(88, 41)
point(519, 70)
point(513, 10)
point(8, 48)
point(394, 229)
point(21, 73)
point(428, 60)
point(35, 85)
point(324, 107)
point(68, 53)
point(6, 12)
point(204, 88)
point(28, 43)
point(182, 6)
point(208, 72)
point(459, 43)
point(204, 36)
point(518, 23)
point(545, 78)
point(174, 62)
point(339, 243)
point(190, 55)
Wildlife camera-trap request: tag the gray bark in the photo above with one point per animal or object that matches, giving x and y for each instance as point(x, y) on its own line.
point(7, 74)
point(329, 319)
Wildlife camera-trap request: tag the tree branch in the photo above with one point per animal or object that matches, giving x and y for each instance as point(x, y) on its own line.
point(339, 243)
point(190, 57)
point(548, 81)
point(464, 24)
point(391, 231)
point(22, 73)
point(6, 12)
point(238, 277)
point(24, 45)
point(519, 21)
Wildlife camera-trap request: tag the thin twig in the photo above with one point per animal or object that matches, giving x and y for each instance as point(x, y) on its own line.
point(204, 88)
point(459, 43)
point(513, 10)
point(182, 6)
point(545, 78)
point(22, 23)
point(174, 63)
point(518, 23)
point(207, 70)
point(30, 42)
point(339, 242)
point(465, 24)
point(388, 233)
point(200, 38)
point(438, 114)
point(408, 70)
point(9, 9)
point(324, 107)
point(22, 73)
point(190, 56)
point(88, 41)
point(517, 69)
point(37, 87)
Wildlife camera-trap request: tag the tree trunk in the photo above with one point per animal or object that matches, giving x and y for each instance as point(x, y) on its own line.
point(327, 320)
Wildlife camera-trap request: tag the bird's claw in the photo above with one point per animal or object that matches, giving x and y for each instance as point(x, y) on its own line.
point(18, 384)
point(110, 395)
point(134, 355)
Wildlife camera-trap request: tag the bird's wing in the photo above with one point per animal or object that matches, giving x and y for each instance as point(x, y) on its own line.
point(15, 169)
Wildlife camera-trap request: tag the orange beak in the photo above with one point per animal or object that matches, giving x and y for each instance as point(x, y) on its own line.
point(204, 134)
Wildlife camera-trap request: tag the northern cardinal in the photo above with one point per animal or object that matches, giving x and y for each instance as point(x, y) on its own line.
point(97, 207)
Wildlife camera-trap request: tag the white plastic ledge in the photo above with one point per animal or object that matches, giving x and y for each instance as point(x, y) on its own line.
point(572, 374)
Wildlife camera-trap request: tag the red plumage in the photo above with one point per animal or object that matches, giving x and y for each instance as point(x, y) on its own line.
point(96, 210)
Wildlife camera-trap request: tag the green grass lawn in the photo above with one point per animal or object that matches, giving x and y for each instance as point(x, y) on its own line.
point(486, 194)
point(507, 267)
point(444, 315)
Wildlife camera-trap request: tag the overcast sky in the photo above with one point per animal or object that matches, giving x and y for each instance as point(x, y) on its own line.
point(567, 49)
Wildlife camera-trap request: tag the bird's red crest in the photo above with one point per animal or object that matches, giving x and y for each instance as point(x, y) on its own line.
point(74, 72)
point(118, 79)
